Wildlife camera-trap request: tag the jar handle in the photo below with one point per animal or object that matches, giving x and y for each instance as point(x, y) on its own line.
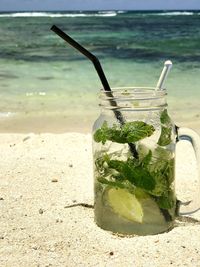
point(191, 136)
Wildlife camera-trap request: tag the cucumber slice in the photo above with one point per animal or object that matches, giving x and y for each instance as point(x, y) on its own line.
point(125, 204)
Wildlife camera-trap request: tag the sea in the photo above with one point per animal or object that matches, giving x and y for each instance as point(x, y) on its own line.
point(48, 86)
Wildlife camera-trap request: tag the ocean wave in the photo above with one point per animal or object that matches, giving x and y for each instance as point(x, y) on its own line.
point(59, 15)
point(36, 93)
point(175, 13)
point(121, 11)
point(6, 114)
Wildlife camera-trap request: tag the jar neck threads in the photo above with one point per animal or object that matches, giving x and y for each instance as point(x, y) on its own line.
point(133, 99)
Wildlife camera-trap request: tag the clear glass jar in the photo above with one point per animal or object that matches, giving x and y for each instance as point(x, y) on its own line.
point(134, 162)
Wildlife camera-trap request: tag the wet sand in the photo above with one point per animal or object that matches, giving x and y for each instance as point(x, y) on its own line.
point(80, 121)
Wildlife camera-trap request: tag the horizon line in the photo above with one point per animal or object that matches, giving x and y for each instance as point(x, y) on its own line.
point(90, 10)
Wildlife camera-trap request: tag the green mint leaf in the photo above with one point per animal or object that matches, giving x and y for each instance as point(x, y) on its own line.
point(161, 153)
point(161, 184)
point(169, 171)
point(136, 130)
point(146, 159)
point(129, 132)
point(166, 129)
point(167, 200)
point(111, 183)
point(165, 136)
point(117, 165)
point(162, 169)
point(164, 117)
point(122, 184)
point(137, 175)
point(142, 178)
point(101, 135)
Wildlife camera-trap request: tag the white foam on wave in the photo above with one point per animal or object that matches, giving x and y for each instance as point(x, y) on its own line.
point(36, 93)
point(92, 14)
point(176, 13)
point(59, 15)
point(121, 11)
point(6, 114)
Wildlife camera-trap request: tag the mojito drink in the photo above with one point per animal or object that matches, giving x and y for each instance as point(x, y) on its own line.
point(134, 194)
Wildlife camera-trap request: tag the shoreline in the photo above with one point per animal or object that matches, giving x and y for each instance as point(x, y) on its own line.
point(75, 122)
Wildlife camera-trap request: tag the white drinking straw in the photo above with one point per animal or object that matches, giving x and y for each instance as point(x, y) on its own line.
point(164, 73)
point(159, 86)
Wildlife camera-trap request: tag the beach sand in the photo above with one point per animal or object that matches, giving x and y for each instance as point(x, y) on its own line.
point(42, 174)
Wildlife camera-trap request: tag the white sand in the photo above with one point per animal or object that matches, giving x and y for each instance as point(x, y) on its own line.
point(37, 230)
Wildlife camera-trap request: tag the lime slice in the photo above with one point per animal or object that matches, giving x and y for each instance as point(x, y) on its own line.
point(140, 208)
point(125, 204)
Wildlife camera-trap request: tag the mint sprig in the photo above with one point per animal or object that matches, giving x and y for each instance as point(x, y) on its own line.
point(135, 173)
point(130, 132)
point(153, 176)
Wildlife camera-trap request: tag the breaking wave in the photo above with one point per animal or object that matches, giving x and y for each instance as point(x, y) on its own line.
point(59, 15)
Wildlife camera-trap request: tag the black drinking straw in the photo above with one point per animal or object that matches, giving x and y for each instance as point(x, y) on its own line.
point(101, 75)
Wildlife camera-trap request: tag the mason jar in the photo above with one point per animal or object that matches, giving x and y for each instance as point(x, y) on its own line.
point(134, 142)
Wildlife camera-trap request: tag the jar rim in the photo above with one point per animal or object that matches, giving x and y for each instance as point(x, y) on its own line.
point(133, 93)
point(129, 97)
point(137, 89)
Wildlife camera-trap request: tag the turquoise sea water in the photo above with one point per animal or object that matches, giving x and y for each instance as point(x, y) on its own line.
point(44, 79)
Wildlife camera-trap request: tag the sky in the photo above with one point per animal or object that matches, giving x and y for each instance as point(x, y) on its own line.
point(41, 5)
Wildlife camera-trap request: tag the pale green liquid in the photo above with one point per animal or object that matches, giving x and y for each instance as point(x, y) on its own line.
point(107, 219)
